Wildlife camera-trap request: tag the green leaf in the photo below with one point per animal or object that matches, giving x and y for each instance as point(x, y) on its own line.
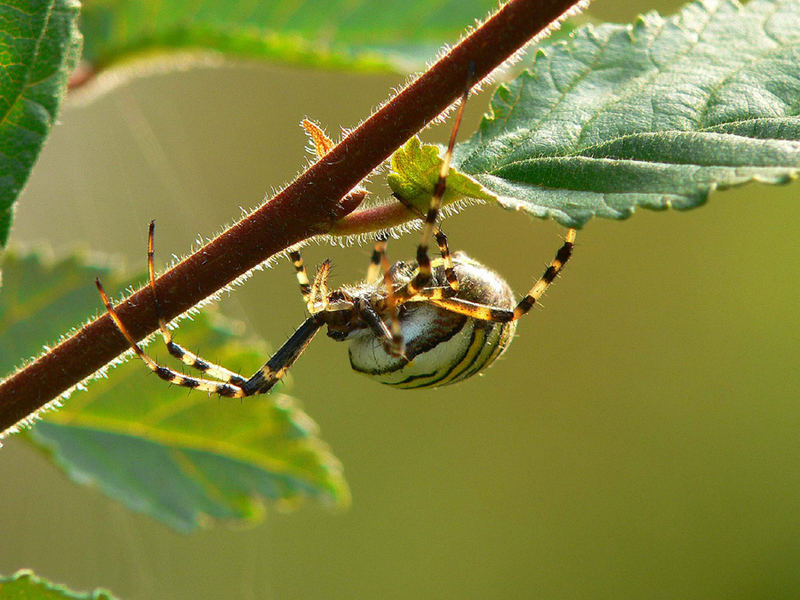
point(398, 36)
point(176, 455)
point(40, 46)
point(40, 300)
point(656, 114)
point(25, 585)
point(415, 171)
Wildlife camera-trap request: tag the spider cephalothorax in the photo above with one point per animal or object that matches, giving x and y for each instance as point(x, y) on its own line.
point(411, 325)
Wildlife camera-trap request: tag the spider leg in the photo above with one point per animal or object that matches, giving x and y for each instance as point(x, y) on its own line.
point(313, 294)
point(188, 358)
point(394, 344)
point(275, 368)
point(441, 240)
point(482, 312)
point(423, 275)
point(318, 298)
point(430, 294)
point(490, 313)
point(302, 276)
point(378, 255)
point(379, 264)
point(230, 389)
point(261, 381)
point(562, 256)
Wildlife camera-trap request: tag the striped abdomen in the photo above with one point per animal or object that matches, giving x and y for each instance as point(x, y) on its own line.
point(442, 347)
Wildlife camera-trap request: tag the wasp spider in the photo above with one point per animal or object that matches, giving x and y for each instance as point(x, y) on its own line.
point(413, 324)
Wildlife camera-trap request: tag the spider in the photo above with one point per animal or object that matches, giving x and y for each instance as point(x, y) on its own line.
point(415, 324)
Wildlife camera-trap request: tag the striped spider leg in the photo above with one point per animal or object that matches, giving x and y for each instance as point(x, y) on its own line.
point(229, 384)
point(500, 314)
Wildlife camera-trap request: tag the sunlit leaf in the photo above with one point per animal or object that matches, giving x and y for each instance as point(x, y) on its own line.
point(398, 36)
point(415, 171)
point(39, 46)
point(177, 455)
point(656, 114)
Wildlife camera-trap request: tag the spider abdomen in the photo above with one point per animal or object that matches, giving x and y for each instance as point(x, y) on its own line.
point(441, 346)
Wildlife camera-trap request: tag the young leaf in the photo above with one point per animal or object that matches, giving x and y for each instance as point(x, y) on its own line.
point(397, 36)
point(40, 45)
point(656, 114)
point(415, 171)
point(25, 585)
point(176, 455)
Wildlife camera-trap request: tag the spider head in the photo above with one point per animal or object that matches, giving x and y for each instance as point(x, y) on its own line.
point(348, 314)
point(340, 314)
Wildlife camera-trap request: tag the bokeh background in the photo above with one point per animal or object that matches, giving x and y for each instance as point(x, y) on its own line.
point(639, 439)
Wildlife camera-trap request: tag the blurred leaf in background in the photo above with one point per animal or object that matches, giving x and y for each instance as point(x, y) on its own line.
point(369, 36)
point(177, 456)
point(25, 585)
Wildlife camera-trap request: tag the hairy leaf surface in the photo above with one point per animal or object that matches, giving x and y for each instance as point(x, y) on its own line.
point(177, 455)
point(655, 114)
point(39, 47)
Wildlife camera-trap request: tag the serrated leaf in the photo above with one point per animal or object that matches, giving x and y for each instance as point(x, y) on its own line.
point(655, 114)
point(415, 171)
point(26, 585)
point(361, 35)
point(40, 46)
point(176, 455)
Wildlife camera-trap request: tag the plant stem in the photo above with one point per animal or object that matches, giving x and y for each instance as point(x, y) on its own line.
point(308, 206)
point(371, 219)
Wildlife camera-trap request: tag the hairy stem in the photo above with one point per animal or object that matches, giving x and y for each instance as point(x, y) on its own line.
point(308, 206)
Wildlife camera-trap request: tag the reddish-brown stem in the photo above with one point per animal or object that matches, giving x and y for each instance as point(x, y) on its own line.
point(308, 206)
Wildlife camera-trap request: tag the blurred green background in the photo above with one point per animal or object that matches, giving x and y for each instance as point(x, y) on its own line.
point(639, 439)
